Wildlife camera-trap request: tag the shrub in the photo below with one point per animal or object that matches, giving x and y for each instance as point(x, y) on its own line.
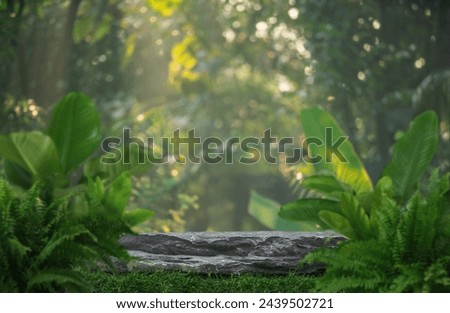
point(59, 224)
point(399, 234)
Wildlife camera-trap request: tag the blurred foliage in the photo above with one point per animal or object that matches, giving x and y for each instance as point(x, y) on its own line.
point(266, 212)
point(231, 68)
point(19, 115)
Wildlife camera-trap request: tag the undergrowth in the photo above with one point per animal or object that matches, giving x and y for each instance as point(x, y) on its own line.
point(181, 282)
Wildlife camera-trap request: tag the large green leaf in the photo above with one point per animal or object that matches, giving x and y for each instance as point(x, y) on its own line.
point(75, 129)
point(34, 152)
point(17, 175)
point(352, 172)
point(337, 223)
point(384, 211)
point(96, 189)
point(357, 217)
point(137, 216)
point(119, 194)
point(412, 155)
point(112, 165)
point(308, 210)
point(327, 185)
point(266, 212)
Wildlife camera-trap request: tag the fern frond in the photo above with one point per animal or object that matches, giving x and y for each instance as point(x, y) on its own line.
point(357, 217)
point(67, 234)
point(439, 195)
point(385, 212)
point(52, 279)
point(8, 285)
point(354, 266)
point(5, 193)
point(418, 277)
point(384, 219)
point(437, 187)
point(409, 278)
point(416, 231)
point(437, 276)
point(17, 249)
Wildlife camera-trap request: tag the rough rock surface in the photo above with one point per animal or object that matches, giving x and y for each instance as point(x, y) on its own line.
point(271, 252)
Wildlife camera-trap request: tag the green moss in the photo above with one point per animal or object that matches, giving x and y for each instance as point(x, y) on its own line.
point(179, 282)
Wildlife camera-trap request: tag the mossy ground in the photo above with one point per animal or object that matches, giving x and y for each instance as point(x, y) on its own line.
point(180, 282)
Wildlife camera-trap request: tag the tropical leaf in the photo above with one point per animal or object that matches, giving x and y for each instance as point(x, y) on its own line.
point(308, 210)
point(96, 189)
point(135, 160)
point(356, 216)
point(34, 151)
point(137, 216)
point(17, 175)
point(412, 155)
point(327, 185)
point(338, 223)
point(266, 212)
point(119, 194)
point(75, 129)
point(384, 211)
point(350, 170)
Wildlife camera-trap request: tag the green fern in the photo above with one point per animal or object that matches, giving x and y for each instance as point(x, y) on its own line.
point(25, 241)
point(47, 232)
point(415, 230)
point(409, 253)
point(436, 276)
point(384, 211)
point(353, 266)
point(45, 239)
point(45, 280)
point(399, 234)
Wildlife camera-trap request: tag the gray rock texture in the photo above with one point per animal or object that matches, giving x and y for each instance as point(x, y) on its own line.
point(271, 252)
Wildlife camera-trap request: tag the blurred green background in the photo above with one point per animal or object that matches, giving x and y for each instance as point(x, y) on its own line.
point(229, 68)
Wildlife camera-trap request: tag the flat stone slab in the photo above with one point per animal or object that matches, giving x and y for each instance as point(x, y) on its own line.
point(270, 252)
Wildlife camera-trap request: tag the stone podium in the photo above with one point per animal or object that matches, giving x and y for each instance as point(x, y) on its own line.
point(268, 252)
